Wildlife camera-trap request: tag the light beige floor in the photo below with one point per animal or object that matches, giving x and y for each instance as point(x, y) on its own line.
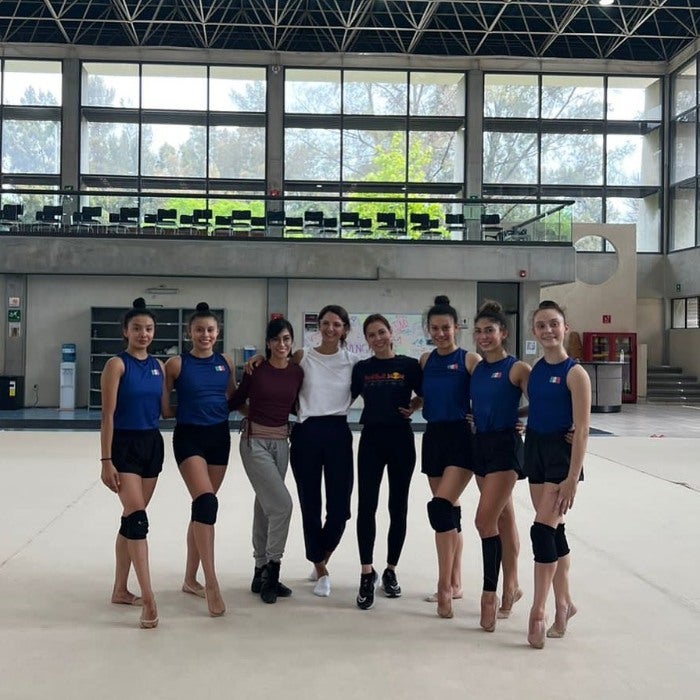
point(636, 578)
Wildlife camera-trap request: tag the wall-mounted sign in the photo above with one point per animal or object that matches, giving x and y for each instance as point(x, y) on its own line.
point(607, 318)
point(530, 347)
point(14, 315)
point(14, 302)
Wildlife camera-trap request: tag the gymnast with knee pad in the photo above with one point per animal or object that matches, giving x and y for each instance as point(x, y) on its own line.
point(132, 391)
point(497, 384)
point(204, 381)
point(559, 392)
point(446, 457)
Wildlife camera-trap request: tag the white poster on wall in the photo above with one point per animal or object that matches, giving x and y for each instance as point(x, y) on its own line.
point(408, 334)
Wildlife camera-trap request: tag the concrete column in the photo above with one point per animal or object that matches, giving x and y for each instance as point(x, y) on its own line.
point(275, 136)
point(475, 131)
point(14, 336)
point(70, 134)
point(278, 298)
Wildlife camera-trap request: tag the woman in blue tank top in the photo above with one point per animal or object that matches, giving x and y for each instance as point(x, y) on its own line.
point(559, 391)
point(204, 381)
point(132, 451)
point(446, 456)
point(497, 384)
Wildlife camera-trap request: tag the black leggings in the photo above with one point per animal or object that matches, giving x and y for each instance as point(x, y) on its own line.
point(394, 447)
point(321, 449)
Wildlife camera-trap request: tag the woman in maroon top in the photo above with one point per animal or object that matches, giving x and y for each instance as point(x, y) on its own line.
point(271, 392)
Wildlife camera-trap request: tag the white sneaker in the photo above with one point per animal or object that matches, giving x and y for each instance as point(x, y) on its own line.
point(313, 576)
point(323, 587)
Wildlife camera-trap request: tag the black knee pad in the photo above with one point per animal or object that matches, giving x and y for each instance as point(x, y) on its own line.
point(204, 508)
point(543, 543)
point(122, 527)
point(561, 541)
point(136, 525)
point(457, 517)
point(441, 515)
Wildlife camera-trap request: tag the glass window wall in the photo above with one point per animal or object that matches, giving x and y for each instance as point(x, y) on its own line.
point(591, 134)
point(312, 91)
point(375, 92)
point(511, 96)
point(572, 97)
point(684, 89)
point(197, 127)
point(32, 83)
point(169, 86)
point(110, 85)
point(236, 89)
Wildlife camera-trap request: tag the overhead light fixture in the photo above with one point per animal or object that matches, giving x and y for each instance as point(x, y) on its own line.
point(162, 289)
point(605, 3)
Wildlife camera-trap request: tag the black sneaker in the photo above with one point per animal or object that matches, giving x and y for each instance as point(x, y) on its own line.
point(365, 597)
point(390, 584)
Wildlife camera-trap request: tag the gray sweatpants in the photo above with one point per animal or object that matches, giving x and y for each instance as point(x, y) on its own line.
point(265, 463)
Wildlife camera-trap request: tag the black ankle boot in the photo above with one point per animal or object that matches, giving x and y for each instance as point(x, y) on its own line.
point(256, 583)
point(270, 579)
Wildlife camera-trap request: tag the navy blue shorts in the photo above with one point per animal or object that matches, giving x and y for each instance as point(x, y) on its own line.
point(138, 452)
point(498, 451)
point(447, 444)
point(210, 442)
point(547, 457)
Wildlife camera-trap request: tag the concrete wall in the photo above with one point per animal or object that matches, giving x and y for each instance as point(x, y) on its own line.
point(265, 258)
point(683, 268)
point(684, 346)
point(585, 303)
point(59, 312)
point(650, 328)
point(651, 274)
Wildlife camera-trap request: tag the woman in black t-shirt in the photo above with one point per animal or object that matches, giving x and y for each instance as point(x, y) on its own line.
point(386, 382)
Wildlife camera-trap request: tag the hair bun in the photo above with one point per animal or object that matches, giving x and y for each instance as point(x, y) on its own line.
point(492, 307)
point(442, 300)
point(139, 303)
point(202, 306)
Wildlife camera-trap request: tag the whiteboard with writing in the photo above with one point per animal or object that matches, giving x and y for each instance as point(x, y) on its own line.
point(408, 334)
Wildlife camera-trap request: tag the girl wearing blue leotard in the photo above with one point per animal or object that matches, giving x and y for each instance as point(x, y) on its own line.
point(204, 381)
point(497, 384)
point(132, 451)
point(446, 456)
point(559, 392)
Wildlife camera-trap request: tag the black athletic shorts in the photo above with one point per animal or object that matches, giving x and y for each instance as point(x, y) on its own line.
point(447, 444)
point(138, 452)
point(547, 457)
point(210, 442)
point(498, 451)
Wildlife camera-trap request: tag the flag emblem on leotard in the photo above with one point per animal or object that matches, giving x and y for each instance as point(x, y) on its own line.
point(454, 366)
point(155, 372)
point(496, 375)
point(219, 368)
point(555, 380)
